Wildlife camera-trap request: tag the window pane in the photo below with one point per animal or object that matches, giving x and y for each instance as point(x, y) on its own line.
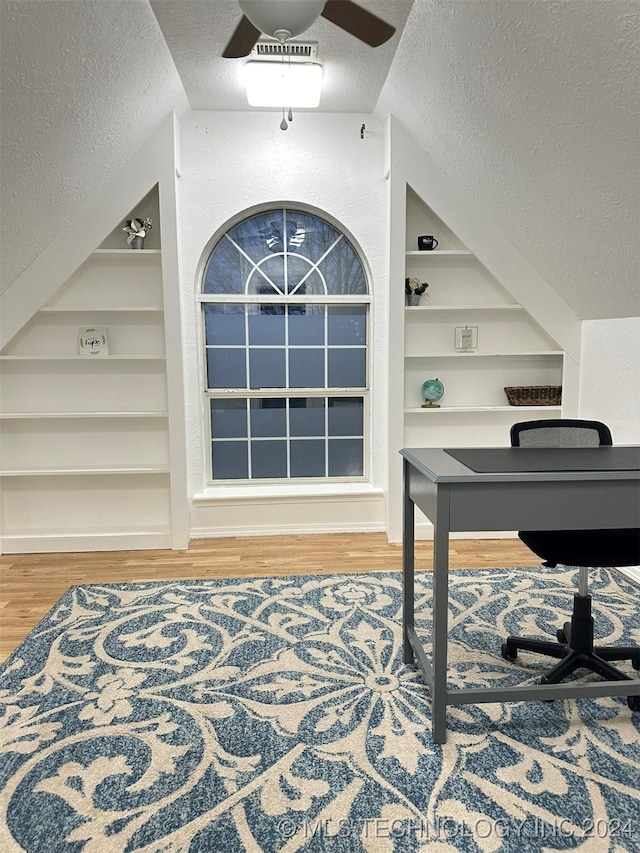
point(343, 270)
point(268, 459)
point(268, 418)
point(226, 368)
point(306, 325)
point(306, 368)
point(260, 235)
point(228, 418)
point(347, 325)
point(301, 277)
point(346, 416)
point(267, 368)
point(224, 324)
point(269, 280)
point(345, 457)
point(347, 368)
point(226, 270)
point(306, 416)
point(307, 458)
point(309, 235)
point(266, 326)
point(230, 460)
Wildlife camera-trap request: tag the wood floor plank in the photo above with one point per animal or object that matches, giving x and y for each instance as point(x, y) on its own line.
point(30, 584)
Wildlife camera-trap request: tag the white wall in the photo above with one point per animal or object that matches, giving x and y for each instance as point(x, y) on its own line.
point(84, 84)
point(530, 108)
point(235, 161)
point(610, 376)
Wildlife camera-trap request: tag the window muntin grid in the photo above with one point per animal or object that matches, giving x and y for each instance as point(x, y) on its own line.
point(285, 331)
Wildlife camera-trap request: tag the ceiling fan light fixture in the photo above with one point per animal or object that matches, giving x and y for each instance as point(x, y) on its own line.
point(294, 16)
point(283, 84)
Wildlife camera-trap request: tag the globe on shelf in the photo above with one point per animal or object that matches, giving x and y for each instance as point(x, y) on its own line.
point(432, 391)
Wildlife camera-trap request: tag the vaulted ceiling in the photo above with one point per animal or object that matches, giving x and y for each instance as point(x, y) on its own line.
point(529, 106)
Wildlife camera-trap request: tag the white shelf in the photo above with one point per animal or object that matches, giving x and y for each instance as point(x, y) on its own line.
point(100, 415)
point(440, 253)
point(127, 251)
point(537, 353)
point(476, 307)
point(57, 472)
point(445, 409)
point(85, 358)
point(136, 309)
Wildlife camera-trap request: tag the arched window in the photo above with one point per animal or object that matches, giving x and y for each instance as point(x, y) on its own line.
point(285, 312)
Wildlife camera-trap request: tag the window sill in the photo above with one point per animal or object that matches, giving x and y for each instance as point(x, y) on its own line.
point(257, 492)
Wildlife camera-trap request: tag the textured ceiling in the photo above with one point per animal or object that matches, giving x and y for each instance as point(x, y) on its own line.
point(197, 31)
point(84, 84)
point(532, 109)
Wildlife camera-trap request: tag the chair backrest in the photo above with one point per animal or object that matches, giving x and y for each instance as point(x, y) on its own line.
point(560, 432)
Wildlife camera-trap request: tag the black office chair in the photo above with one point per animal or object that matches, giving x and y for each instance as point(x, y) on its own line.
point(583, 549)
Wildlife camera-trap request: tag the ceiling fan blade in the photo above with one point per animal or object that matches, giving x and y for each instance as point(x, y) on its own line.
point(242, 40)
point(362, 24)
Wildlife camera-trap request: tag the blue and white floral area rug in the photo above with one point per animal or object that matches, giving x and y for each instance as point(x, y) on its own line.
point(275, 714)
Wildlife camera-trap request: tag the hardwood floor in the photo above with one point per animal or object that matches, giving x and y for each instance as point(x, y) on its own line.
point(30, 584)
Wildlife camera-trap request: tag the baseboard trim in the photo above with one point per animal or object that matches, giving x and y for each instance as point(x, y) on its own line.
point(284, 530)
point(46, 544)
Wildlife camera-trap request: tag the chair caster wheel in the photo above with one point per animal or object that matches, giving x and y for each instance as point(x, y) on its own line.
point(508, 654)
point(633, 702)
point(561, 636)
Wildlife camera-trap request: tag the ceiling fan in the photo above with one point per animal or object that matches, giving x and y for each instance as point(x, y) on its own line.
point(286, 19)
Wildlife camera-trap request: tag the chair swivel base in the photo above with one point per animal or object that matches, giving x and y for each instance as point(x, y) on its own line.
point(575, 650)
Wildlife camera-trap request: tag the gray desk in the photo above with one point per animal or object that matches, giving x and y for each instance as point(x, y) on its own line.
point(455, 498)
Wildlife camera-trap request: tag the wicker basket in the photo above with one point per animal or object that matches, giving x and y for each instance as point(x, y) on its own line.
point(534, 395)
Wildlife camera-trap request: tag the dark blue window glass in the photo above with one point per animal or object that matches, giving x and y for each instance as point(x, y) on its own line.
point(347, 368)
point(307, 416)
point(345, 457)
point(266, 326)
point(345, 416)
point(306, 368)
point(268, 418)
point(306, 325)
point(224, 324)
point(307, 458)
point(269, 278)
point(347, 325)
point(230, 460)
point(226, 270)
point(269, 459)
point(342, 270)
point(260, 235)
point(228, 418)
point(267, 368)
point(308, 235)
point(226, 368)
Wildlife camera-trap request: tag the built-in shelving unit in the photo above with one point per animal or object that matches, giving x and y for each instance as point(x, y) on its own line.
point(84, 446)
point(511, 348)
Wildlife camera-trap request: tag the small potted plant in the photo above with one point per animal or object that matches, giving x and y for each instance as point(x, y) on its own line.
point(414, 288)
point(137, 230)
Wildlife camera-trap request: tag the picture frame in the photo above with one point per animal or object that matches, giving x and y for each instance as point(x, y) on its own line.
point(465, 338)
point(92, 341)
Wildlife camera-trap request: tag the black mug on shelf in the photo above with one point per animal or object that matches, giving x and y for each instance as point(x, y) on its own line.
point(427, 243)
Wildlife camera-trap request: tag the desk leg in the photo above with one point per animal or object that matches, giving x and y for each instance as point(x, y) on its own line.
point(440, 613)
point(408, 563)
